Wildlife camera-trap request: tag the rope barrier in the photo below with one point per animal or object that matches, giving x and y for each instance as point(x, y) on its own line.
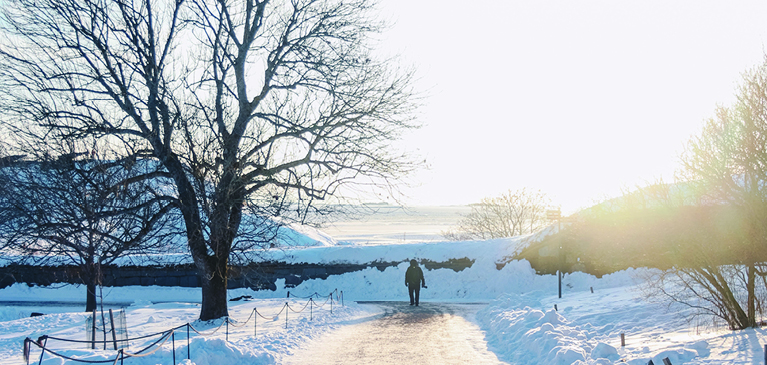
point(301, 310)
point(122, 354)
point(205, 334)
point(141, 354)
point(315, 294)
point(327, 299)
point(243, 323)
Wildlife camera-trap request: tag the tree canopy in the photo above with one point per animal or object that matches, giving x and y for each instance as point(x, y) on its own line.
point(254, 105)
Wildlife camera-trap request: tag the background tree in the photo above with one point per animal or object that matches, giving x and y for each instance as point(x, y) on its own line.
point(727, 163)
point(271, 106)
point(82, 211)
point(707, 232)
point(511, 214)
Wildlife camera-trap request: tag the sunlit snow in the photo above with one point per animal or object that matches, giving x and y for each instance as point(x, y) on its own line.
point(518, 318)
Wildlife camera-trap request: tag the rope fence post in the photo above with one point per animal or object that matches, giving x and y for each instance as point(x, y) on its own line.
point(188, 346)
point(227, 328)
point(42, 341)
point(112, 323)
point(310, 308)
point(255, 322)
point(173, 343)
point(93, 331)
point(287, 309)
point(27, 349)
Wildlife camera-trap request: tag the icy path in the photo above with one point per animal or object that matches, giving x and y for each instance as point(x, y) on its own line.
point(433, 333)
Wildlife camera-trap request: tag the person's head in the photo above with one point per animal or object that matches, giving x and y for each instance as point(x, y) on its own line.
point(413, 262)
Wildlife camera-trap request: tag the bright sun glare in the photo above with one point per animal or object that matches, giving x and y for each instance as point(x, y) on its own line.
point(579, 99)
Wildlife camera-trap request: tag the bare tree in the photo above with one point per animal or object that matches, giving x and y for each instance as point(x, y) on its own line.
point(728, 164)
point(699, 244)
point(258, 104)
point(82, 211)
point(709, 233)
point(511, 214)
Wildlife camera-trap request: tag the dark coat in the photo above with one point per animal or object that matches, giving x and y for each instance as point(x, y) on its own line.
point(414, 276)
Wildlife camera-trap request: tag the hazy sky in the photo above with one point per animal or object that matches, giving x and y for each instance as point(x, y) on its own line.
point(580, 99)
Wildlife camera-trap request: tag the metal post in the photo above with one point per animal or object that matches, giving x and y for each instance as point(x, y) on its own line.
point(310, 308)
point(227, 328)
point(255, 322)
point(188, 357)
point(173, 342)
point(287, 309)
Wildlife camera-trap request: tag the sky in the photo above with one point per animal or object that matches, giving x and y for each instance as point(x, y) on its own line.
point(579, 99)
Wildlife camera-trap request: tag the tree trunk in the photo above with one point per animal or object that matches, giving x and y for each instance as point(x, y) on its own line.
point(214, 304)
point(212, 268)
point(91, 279)
point(90, 297)
point(751, 288)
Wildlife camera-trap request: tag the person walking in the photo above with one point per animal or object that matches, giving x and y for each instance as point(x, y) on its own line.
point(414, 278)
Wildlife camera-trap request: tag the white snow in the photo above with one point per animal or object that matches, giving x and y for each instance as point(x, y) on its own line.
point(520, 323)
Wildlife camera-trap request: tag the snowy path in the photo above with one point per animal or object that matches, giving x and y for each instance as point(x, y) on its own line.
point(433, 333)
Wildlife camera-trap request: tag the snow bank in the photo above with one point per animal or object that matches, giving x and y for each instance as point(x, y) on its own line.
point(272, 340)
point(585, 327)
point(520, 322)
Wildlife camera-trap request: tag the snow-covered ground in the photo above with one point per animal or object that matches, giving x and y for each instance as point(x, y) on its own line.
point(520, 322)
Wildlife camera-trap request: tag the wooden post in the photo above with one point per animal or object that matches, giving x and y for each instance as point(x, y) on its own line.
point(93, 331)
point(42, 341)
point(623, 340)
point(112, 322)
point(592, 289)
point(555, 308)
point(666, 361)
point(27, 349)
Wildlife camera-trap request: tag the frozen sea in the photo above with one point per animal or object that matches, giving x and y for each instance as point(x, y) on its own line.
point(388, 224)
